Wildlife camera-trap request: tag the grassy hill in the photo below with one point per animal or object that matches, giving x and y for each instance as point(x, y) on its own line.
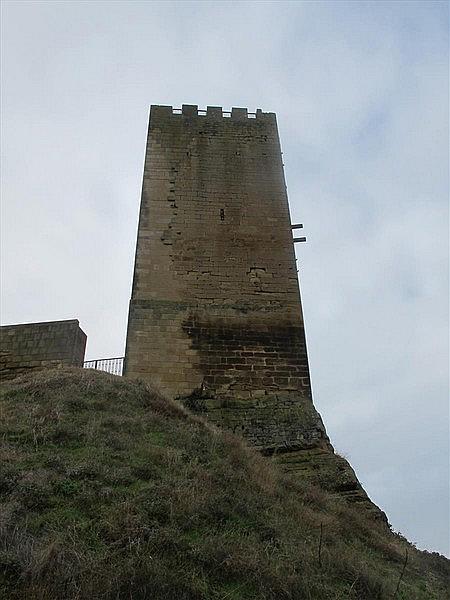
point(110, 491)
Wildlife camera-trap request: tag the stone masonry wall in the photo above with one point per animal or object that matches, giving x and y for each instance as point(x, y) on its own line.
point(215, 301)
point(34, 346)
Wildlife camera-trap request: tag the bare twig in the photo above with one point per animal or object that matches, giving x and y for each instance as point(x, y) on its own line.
point(401, 574)
point(320, 545)
point(353, 585)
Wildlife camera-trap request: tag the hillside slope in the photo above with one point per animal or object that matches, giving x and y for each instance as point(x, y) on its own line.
point(110, 491)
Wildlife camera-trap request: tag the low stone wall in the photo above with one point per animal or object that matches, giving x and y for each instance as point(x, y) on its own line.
point(34, 346)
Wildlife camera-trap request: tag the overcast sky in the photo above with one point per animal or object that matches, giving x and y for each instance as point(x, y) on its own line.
point(361, 94)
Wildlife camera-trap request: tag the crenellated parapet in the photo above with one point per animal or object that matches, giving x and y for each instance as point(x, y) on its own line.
point(211, 112)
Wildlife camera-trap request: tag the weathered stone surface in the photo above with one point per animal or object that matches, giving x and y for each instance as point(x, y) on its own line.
point(215, 314)
point(34, 346)
point(215, 297)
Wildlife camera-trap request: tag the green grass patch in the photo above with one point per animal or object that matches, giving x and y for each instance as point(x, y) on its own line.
point(110, 491)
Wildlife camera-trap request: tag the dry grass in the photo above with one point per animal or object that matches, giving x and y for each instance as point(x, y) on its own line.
point(110, 491)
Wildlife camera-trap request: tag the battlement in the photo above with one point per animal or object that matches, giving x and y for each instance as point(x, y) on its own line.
point(211, 112)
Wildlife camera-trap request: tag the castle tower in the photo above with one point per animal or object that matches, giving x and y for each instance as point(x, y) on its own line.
point(215, 314)
point(215, 303)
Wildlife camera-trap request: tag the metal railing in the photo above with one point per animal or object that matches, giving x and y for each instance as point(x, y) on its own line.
point(110, 365)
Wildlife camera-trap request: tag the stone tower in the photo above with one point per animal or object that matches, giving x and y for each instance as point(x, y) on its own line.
point(215, 314)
